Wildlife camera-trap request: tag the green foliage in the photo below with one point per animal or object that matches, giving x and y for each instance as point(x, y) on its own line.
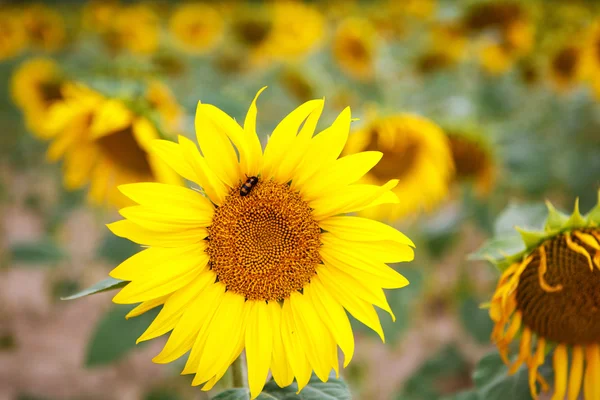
point(447, 368)
point(115, 249)
point(333, 389)
point(162, 394)
point(475, 320)
point(115, 336)
point(99, 287)
point(44, 251)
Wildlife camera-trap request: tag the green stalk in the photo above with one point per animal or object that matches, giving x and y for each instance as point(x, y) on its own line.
point(238, 371)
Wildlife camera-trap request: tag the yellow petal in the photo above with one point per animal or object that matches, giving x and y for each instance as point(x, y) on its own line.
point(280, 367)
point(172, 155)
point(196, 315)
point(293, 346)
point(561, 361)
point(111, 117)
point(363, 230)
point(162, 221)
point(215, 145)
point(324, 148)
point(278, 146)
point(162, 172)
point(576, 373)
point(592, 372)
point(334, 317)
point(174, 200)
point(384, 251)
point(174, 307)
point(144, 133)
point(341, 173)
point(129, 230)
point(254, 156)
point(147, 306)
point(360, 309)
point(351, 199)
point(259, 345)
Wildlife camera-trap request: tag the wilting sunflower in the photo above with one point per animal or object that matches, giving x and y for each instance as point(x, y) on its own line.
point(45, 27)
point(416, 152)
point(102, 143)
point(548, 299)
point(35, 86)
point(13, 38)
point(473, 159)
point(565, 69)
point(261, 257)
point(197, 27)
point(354, 48)
point(135, 28)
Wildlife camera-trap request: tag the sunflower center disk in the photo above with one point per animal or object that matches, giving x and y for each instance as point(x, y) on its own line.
point(570, 315)
point(398, 157)
point(469, 158)
point(122, 149)
point(265, 245)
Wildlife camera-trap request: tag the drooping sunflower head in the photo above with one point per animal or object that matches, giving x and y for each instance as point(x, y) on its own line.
point(135, 28)
point(416, 152)
point(35, 86)
point(473, 158)
point(45, 27)
point(196, 27)
point(102, 143)
point(565, 67)
point(261, 258)
point(354, 48)
point(548, 298)
point(13, 38)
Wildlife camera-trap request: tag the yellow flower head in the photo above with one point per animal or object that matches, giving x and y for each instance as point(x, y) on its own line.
point(473, 159)
point(136, 28)
point(591, 57)
point(99, 15)
point(13, 38)
point(494, 58)
point(547, 299)
point(197, 27)
point(354, 48)
point(416, 152)
point(35, 86)
point(296, 30)
point(103, 143)
point(261, 257)
point(45, 27)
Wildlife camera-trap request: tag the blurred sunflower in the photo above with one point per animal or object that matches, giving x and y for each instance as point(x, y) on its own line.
point(35, 86)
point(104, 143)
point(268, 266)
point(448, 47)
point(135, 28)
point(297, 84)
point(98, 15)
point(162, 100)
point(45, 27)
point(416, 152)
point(421, 9)
point(354, 48)
point(197, 27)
point(296, 30)
point(13, 38)
point(591, 57)
point(473, 159)
point(565, 68)
point(549, 293)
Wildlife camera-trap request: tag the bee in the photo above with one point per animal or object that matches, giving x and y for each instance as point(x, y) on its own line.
point(248, 185)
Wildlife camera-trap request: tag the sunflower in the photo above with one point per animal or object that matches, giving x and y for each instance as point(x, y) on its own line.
point(591, 57)
point(473, 158)
point(565, 67)
point(98, 15)
point(197, 27)
point(104, 143)
point(45, 27)
point(135, 28)
point(416, 152)
point(260, 258)
point(448, 47)
point(549, 293)
point(35, 86)
point(162, 100)
point(354, 48)
point(13, 38)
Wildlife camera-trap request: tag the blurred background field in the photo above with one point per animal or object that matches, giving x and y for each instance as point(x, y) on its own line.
point(514, 87)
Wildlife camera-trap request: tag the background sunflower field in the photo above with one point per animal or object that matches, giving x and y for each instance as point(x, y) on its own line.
point(483, 109)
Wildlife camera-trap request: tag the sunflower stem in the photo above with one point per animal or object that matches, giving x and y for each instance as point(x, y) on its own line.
point(238, 371)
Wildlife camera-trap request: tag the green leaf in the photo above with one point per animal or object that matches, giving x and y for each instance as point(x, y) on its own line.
point(163, 394)
point(115, 336)
point(115, 249)
point(530, 216)
point(475, 320)
point(44, 251)
point(466, 395)
point(102, 286)
point(334, 389)
point(493, 382)
point(497, 249)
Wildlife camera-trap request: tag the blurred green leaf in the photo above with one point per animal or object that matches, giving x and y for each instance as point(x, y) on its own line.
point(44, 251)
point(441, 230)
point(493, 382)
point(334, 389)
point(99, 287)
point(162, 394)
point(530, 216)
point(498, 248)
point(437, 376)
point(466, 395)
point(116, 249)
point(475, 320)
point(115, 336)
